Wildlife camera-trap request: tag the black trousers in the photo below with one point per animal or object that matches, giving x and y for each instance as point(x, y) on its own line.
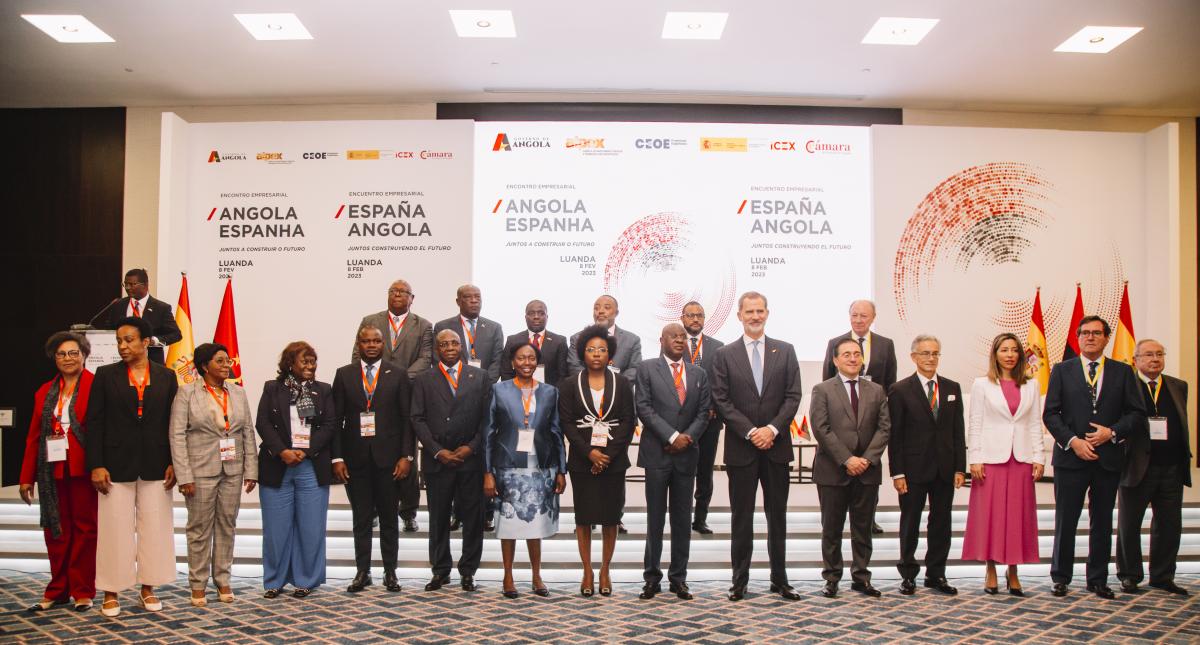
point(940, 493)
point(1161, 489)
point(744, 482)
point(1071, 486)
point(372, 491)
point(463, 488)
point(668, 488)
point(704, 469)
point(409, 490)
point(859, 500)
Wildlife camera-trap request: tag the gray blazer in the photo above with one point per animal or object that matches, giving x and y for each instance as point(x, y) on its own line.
point(197, 427)
point(839, 435)
point(489, 343)
point(626, 360)
point(414, 348)
point(662, 414)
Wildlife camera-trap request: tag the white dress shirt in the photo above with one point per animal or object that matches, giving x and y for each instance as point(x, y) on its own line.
point(682, 378)
point(762, 354)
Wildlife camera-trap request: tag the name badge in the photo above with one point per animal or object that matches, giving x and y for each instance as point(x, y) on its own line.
point(599, 438)
point(475, 363)
point(539, 374)
point(301, 435)
point(56, 448)
point(228, 449)
point(1158, 428)
point(615, 370)
point(525, 440)
point(366, 424)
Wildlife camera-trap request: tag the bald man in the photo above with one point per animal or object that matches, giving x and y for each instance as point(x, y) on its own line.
point(482, 339)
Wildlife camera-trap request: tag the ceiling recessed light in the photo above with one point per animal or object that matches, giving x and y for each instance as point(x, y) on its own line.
point(899, 31)
point(69, 28)
point(694, 25)
point(1095, 39)
point(472, 23)
point(273, 26)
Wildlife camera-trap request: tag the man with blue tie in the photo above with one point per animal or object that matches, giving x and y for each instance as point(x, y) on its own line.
point(700, 350)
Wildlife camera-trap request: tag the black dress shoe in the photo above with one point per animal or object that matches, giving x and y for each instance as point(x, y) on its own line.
point(489, 526)
point(390, 582)
point(437, 582)
point(361, 581)
point(270, 594)
point(681, 590)
point(876, 528)
point(830, 590)
point(541, 592)
point(468, 583)
point(737, 592)
point(786, 591)
point(1129, 586)
point(940, 584)
point(510, 594)
point(410, 525)
point(701, 527)
point(866, 589)
point(1102, 590)
point(1060, 589)
point(621, 529)
point(908, 587)
point(649, 591)
point(1170, 587)
point(454, 524)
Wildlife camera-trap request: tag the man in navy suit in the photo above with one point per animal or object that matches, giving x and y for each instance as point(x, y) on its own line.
point(1092, 405)
point(700, 349)
point(673, 403)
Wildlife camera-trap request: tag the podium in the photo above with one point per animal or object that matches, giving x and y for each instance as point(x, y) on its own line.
point(104, 347)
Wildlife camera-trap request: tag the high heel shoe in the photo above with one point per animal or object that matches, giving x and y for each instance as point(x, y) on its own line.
point(541, 592)
point(605, 590)
point(586, 591)
point(993, 589)
point(1015, 591)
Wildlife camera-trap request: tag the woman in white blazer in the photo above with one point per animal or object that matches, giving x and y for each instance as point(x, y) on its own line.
point(1006, 456)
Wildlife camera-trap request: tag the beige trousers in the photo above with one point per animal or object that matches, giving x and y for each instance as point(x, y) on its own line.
point(135, 542)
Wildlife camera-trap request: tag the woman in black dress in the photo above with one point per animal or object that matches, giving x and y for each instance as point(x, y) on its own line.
point(596, 409)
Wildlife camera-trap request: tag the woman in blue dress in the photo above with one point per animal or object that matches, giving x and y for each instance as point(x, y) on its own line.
point(525, 463)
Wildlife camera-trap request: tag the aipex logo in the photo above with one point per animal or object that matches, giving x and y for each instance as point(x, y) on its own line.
point(273, 158)
point(216, 157)
point(816, 146)
point(504, 144)
point(584, 142)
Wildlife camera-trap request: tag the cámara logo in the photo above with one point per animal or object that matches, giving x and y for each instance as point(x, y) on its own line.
point(815, 146)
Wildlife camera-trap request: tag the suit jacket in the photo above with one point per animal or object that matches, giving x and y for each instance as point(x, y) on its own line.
point(489, 344)
point(744, 409)
point(274, 424)
point(129, 447)
point(663, 415)
point(554, 356)
point(839, 435)
point(414, 348)
point(882, 369)
point(446, 420)
point(157, 313)
point(393, 434)
point(626, 360)
point(619, 412)
point(1068, 411)
point(708, 348)
point(1137, 447)
point(995, 434)
point(506, 417)
point(197, 427)
point(920, 447)
point(76, 463)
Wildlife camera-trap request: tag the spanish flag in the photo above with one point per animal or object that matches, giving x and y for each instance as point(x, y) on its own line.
point(226, 333)
point(179, 356)
point(1037, 359)
point(1071, 349)
point(798, 430)
point(1124, 340)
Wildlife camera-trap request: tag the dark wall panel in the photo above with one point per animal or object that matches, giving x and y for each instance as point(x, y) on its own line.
point(667, 112)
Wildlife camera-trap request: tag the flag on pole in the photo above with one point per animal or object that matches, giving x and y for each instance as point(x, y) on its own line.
point(1037, 359)
point(226, 333)
point(1124, 340)
point(179, 356)
point(1071, 349)
point(798, 430)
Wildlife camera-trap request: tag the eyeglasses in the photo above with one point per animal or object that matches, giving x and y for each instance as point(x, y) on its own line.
point(1153, 354)
point(596, 350)
point(698, 316)
point(1095, 333)
point(928, 354)
point(449, 343)
point(130, 285)
point(74, 353)
point(399, 292)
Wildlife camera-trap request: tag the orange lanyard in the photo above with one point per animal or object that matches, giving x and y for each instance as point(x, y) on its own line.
point(133, 304)
point(369, 386)
point(470, 335)
point(223, 402)
point(678, 369)
point(526, 401)
point(453, 381)
point(141, 387)
point(396, 328)
point(64, 394)
point(696, 352)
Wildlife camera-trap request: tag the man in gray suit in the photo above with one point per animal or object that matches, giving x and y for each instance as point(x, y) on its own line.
point(700, 349)
point(851, 425)
point(673, 403)
point(629, 346)
point(482, 339)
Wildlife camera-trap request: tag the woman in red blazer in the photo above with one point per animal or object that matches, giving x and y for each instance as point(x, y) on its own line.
point(54, 462)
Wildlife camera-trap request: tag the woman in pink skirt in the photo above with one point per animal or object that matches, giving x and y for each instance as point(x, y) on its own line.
point(1005, 451)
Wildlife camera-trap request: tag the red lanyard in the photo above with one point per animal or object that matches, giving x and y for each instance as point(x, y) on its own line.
point(63, 395)
point(696, 352)
point(133, 304)
point(141, 387)
point(453, 381)
point(223, 402)
point(369, 386)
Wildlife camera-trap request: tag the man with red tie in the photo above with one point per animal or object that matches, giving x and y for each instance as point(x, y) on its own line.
point(140, 304)
point(552, 346)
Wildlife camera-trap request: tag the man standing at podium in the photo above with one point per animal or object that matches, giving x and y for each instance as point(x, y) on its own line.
point(140, 304)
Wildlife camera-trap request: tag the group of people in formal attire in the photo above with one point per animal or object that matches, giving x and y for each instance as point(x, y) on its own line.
point(501, 424)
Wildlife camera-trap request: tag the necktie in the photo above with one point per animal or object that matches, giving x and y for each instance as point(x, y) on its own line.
point(369, 393)
point(679, 386)
point(932, 395)
point(1092, 382)
point(1154, 395)
point(694, 356)
point(453, 381)
point(537, 341)
point(854, 396)
point(395, 332)
point(471, 324)
point(756, 365)
point(862, 347)
point(136, 310)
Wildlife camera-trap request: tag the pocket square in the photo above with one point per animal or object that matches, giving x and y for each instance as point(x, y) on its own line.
point(951, 398)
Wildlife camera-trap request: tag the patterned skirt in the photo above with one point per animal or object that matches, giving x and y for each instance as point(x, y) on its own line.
point(528, 505)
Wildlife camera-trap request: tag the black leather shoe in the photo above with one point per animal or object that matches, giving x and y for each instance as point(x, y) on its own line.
point(876, 528)
point(830, 590)
point(737, 592)
point(468, 583)
point(681, 590)
point(510, 593)
point(410, 525)
point(1102, 590)
point(390, 582)
point(786, 591)
point(1170, 587)
point(361, 581)
point(437, 582)
point(1060, 589)
point(940, 584)
point(908, 587)
point(1129, 586)
point(621, 529)
point(489, 526)
point(866, 589)
point(701, 527)
point(454, 524)
point(649, 591)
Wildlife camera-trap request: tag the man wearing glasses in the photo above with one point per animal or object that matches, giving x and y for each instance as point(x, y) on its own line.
point(138, 303)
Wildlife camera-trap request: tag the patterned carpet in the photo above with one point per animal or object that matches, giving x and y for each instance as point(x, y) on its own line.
point(447, 616)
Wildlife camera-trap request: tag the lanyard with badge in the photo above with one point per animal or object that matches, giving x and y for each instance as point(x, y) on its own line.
point(56, 444)
point(226, 445)
point(525, 433)
point(141, 388)
point(696, 351)
point(301, 430)
point(601, 425)
point(473, 360)
point(1093, 382)
point(366, 420)
point(1158, 424)
point(396, 329)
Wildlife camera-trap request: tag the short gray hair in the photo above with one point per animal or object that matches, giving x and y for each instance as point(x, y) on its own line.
point(921, 338)
point(1138, 348)
point(869, 302)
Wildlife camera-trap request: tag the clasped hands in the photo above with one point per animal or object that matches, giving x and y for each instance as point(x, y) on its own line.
point(454, 458)
point(600, 461)
point(856, 466)
point(1086, 449)
point(681, 444)
point(762, 438)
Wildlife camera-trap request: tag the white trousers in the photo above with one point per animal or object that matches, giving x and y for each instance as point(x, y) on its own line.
point(135, 542)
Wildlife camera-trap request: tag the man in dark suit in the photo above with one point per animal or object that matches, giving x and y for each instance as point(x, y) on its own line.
point(140, 304)
point(449, 412)
point(482, 339)
point(700, 348)
point(673, 402)
point(552, 346)
point(928, 456)
point(851, 424)
point(629, 346)
point(1157, 467)
point(373, 448)
point(1092, 404)
point(756, 383)
point(407, 344)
